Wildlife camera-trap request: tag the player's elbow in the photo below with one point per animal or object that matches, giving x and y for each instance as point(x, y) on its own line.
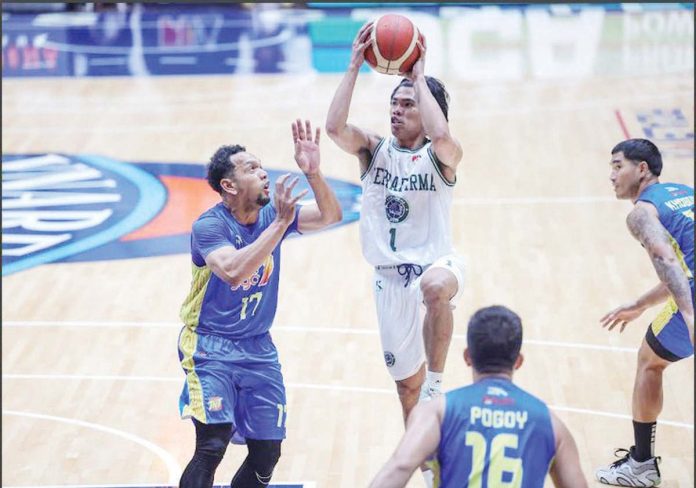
point(404, 467)
point(664, 261)
point(335, 216)
point(232, 274)
point(230, 277)
point(334, 129)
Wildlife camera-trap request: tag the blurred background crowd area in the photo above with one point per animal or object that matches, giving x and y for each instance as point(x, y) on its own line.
point(477, 42)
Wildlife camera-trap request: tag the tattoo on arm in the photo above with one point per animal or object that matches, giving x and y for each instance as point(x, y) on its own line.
point(654, 238)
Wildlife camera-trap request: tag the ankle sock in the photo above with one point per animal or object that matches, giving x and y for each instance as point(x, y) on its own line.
point(644, 434)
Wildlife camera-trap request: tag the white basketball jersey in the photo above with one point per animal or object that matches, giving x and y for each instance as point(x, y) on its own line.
point(405, 211)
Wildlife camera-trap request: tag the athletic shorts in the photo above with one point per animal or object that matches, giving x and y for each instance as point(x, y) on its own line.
point(235, 381)
point(668, 335)
point(400, 312)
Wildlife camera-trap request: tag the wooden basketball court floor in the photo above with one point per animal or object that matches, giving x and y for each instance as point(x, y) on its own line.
point(90, 376)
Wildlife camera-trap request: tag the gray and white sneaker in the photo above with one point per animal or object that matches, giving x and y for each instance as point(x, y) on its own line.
point(629, 472)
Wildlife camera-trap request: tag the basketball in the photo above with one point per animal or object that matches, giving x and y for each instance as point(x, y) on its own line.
point(393, 50)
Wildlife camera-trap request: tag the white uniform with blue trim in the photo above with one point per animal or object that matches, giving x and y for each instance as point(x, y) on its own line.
point(405, 228)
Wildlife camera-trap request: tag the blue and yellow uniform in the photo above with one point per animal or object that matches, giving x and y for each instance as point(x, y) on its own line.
point(225, 348)
point(668, 334)
point(495, 434)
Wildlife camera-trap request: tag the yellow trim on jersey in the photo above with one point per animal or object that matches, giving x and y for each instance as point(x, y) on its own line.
point(191, 308)
point(187, 345)
point(680, 256)
point(664, 316)
point(434, 466)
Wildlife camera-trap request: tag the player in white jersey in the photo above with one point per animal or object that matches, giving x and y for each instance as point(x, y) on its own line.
point(408, 182)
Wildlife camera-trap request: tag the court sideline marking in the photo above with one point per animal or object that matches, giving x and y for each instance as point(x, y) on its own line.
point(289, 328)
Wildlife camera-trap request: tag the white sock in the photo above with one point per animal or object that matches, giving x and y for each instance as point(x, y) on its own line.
point(429, 478)
point(434, 380)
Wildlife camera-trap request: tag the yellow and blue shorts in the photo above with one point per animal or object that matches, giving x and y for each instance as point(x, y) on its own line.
point(233, 381)
point(668, 335)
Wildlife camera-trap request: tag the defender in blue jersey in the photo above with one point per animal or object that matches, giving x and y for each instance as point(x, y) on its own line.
point(234, 385)
point(662, 220)
point(492, 433)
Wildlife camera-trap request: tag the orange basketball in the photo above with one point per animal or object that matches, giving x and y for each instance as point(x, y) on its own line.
point(393, 50)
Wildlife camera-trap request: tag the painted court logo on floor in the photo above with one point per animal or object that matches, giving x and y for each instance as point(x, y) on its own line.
point(66, 208)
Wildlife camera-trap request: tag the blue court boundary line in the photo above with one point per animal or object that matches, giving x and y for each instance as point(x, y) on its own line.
point(152, 197)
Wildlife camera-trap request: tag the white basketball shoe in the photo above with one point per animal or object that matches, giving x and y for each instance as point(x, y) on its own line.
point(629, 472)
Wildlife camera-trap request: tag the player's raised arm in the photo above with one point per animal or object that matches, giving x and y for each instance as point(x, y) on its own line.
point(644, 224)
point(327, 209)
point(446, 147)
point(350, 138)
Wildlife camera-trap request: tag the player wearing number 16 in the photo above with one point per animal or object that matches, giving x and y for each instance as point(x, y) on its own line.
point(491, 434)
point(234, 387)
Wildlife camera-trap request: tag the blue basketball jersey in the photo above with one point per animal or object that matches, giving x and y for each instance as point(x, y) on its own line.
point(212, 306)
point(495, 434)
point(675, 206)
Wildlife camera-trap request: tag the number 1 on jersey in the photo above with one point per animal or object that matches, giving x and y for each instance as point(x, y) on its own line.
point(392, 241)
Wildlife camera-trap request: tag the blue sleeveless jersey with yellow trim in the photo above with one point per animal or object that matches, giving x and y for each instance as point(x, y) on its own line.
point(212, 306)
point(675, 205)
point(495, 434)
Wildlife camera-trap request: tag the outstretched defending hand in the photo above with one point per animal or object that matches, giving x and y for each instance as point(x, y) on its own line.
point(621, 315)
point(283, 200)
point(306, 151)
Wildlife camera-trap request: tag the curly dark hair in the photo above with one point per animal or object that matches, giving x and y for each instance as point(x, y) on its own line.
point(221, 166)
point(436, 87)
point(641, 150)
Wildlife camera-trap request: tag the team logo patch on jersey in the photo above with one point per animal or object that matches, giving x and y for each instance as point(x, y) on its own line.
point(389, 359)
point(497, 396)
point(215, 404)
point(74, 208)
point(396, 208)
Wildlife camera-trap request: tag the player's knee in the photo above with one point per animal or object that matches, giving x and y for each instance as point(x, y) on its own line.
point(263, 457)
point(436, 292)
point(649, 361)
point(212, 440)
point(211, 452)
point(407, 390)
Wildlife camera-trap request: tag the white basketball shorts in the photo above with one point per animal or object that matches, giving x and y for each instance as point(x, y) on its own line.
point(400, 312)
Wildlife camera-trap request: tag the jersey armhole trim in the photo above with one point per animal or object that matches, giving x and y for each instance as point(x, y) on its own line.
point(372, 160)
point(436, 163)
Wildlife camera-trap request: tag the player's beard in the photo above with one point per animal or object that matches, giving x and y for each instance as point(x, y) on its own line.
point(263, 200)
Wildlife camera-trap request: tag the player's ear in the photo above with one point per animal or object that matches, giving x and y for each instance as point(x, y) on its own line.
point(518, 361)
point(467, 356)
point(228, 186)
